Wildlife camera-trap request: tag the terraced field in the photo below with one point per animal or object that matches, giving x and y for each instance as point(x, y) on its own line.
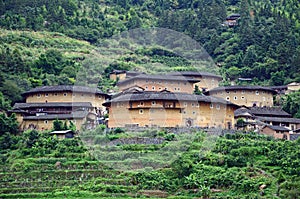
point(87, 174)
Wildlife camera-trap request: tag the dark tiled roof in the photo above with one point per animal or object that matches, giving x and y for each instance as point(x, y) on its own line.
point(159, 77)
point(297, 130)
point(262, 111)
point(164, 95)
point(279, 119)
point(229, 88)
point(241, 112)
point(130, 73)
point(275, 111)
point(233, 16)
point(294, 136)
point(62, 132)
point(51, 104)
point(194, 73)
point(278, 128)
point(74, 115)
point(62, 88)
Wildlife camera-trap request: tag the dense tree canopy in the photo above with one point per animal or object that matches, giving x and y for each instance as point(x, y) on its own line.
point(264, 44)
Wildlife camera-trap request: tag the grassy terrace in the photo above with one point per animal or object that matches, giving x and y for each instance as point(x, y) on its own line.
point(115, 166)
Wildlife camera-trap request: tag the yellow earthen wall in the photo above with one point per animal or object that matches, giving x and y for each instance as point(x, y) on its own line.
point(47, 124)
point(43, 97)
point(246, 97)
point(159, 85)
point(148, 114)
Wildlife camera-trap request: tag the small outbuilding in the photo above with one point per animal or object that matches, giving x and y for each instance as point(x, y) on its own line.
point(276, 131)
point(63, 134)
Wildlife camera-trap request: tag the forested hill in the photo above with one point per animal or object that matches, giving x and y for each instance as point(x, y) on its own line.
point(43, 42)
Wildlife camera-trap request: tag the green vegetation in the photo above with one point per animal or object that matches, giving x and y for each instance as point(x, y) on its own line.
point(237, 166)
point(44, 43)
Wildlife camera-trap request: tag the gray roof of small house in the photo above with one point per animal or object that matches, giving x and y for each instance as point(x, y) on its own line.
point(262, 111)
point(51, 104)
point(62, 88)
point(297, 130)
point(231, 88)
point(159, 77)
point(276, 111)
point(73, 115)
point(280, 119)
point(62, 132)
point(294, 136)
point(242, 112)
point(164, 95)
point(277, 128)
point(194, 73)
point(130, 72)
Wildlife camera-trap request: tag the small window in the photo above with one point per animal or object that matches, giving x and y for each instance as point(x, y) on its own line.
point(221, 93)
point(256, 92)
point(146, 88)
point(185, 104)
point(153, 102)
point(242, 97)
point(218, 106)
point(228, 98)
point(197, 105)
point(153, 87)
point(159, 88)
point(141, 103)
point(193, 104)
point(175, 89)
point(184, 112)
point(65, 94)
point(55, 94)
point(100, 97)
point(227, 91)
point(141, 111)
point(46, 94)
point(211, 105)
point(82, 95)
point(178, 89)
point(38, 95)
point(235, 97)
point(243, 92)
point(46, 121)
point(194, 113)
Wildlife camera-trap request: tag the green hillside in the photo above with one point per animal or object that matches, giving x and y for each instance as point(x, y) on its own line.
point(232, 166)
point(46, 43)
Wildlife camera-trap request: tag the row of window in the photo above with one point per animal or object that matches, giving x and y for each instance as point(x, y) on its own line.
point(165, 82)
point(141, 111)
point(160, 88)
point(243, 92)
point(242, 97)
point(185, 104)
point(65, 94)
point(46, 121)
